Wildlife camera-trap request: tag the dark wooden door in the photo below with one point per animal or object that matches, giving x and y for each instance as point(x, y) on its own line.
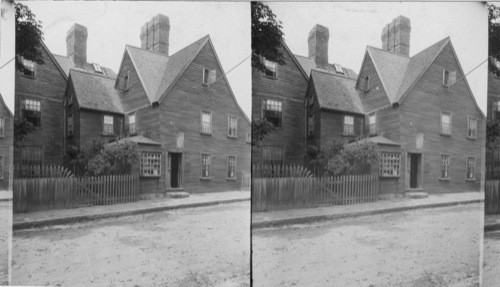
point(175, 170)
point(414, 170)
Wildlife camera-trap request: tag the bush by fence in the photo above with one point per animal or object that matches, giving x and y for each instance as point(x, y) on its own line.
point(36, 194)
point(303, 192)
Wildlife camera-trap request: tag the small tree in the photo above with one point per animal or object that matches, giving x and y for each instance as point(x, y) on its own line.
point(260, 130)
point(319, 157)
point(358, 158)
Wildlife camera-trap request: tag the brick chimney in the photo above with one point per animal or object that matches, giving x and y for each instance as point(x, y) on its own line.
point(396, 36)
point(76, 45)
point(318, 45)
point(155, 34)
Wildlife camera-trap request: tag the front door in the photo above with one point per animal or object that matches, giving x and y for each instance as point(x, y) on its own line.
point(175, 164)
point(414, 164)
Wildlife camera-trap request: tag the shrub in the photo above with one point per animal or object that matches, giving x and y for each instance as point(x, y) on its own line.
point(358, 158)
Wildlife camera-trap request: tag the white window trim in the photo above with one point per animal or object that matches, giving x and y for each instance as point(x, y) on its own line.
point(201, 122)
point(229, 126)
point(441, 166)
point(375, 124)
point(235, 166)
point(209, 166)
point(345, 132)
point(399, 164)
point(469, 118)
point(157, 162)
point(441, 123)
point(104, 124)
point(467, 166)
point(135, 123)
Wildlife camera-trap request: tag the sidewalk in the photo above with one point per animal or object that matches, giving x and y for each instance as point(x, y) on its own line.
point(65, 216)
point(305, 215)
point(5, 195)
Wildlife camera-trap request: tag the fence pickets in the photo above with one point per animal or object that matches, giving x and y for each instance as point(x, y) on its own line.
point(36, 194)
point(492, 197)
point(304, 192)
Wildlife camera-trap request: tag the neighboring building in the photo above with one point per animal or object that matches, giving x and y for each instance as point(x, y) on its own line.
point(6, 146)
point(419, 110)
point(7, 51)
point(179, 108)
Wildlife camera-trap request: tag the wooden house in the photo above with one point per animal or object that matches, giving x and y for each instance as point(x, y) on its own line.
point(493, 115)
point(6, 146)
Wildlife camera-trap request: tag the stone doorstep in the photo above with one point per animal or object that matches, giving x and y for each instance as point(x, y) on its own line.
point(416, 195)
point(177, 194)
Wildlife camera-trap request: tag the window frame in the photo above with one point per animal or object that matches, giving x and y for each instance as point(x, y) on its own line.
point(209, 165)
point(205, 78)
point(441, 165)
point(269, 148)
point(467, 169)
point(126, 81)
point(366, 83)
point(441, 131)
point(231, 166)
point(383, 166)
point(104, 125)
point(229, 128)
point(272, 67)
point(153, 164)
point(279, 104)
point(39, 112)
point(201, 122)
point(346, 125)
point(372, 131)
point(32, 69)
point(469, 118)
point(134, 132)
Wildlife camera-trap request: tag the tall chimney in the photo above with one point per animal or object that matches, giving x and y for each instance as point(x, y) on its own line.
point(396, 36)
point(76, 45)
point(155, 34)
point(318, 45)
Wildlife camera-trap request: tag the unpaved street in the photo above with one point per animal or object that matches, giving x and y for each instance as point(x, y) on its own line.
point(491, 259)
point(5, 229)
point(420, 248)
point(189, 247)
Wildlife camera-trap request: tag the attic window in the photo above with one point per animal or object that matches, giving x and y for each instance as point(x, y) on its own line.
point(209, 76)
point(97, 68)
point(29, 68)
point(338, 69)
point(449, 78)
point(126, 82)
point(365, 83)
point(270, 68)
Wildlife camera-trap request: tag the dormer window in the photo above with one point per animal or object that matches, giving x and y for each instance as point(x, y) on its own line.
point(449, 78)
point(270, 68)
point(209, 76)
point(97, 68)
point(29, 68)
point(338, 69)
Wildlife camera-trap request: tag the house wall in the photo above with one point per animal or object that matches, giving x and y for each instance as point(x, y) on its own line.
point(387, 121)
point(48, 87)
point(492, 154)
point(91, 127)
point(6, 149)
point(332, 126)
point(181, 110)
point(421, 113)
point(290, 87)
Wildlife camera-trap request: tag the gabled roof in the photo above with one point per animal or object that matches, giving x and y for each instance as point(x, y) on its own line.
point(399, 73)
point(140, 140)
point(2, 102)
point(157, 71)
point(379, 140)
point(308, 64)
point(95, 92)
point(335, 92)
point(67, 64)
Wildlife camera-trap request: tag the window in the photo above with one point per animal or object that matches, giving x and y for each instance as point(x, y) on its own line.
point(131, 124)
point(126, 82)
point(449, 78)
point(70, 125)
point(231, 167)
point(70, 99)
point(372, 121)
point(389, 163)
point(249, 137)
point(2, 127)
point(232, 126)
point(150, 163)
point(273, 112)
point(310, 125)
point(206, 122)
point(446, 123)
point(270, 68)
point(31, 111)
point(272, 155)
point(348, 125)
point(471, 127)
point(496, 109)
point(31, 156)
point(205, 165)
point(29, 68)
point(365, 83)
point(471, 168)
point(445, 166)
point(97, 68)
point(338, 69)
point(209, 76)
point(108, 127)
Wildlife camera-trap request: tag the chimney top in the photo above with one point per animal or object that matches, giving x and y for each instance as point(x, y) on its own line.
point(396, 36)
point(318, 45)
point(76, 45)
point(155, 34)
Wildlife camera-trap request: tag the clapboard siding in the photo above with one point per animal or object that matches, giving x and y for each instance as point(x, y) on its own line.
point(135, 96)
point(290, 87)
point(493, 93)
point(376, 97)
point(91, 127)
point(387, 121)
point(6, 149)
point(332, 126)
point(421, 113)
point(181, 110)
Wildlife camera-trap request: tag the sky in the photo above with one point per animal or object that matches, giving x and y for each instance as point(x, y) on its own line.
point(7, 52)
point(111, 25)
point(353, 26)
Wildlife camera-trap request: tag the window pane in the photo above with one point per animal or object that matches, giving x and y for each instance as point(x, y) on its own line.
point(389, 163)
point(150, 163)
point(205, 165)
point(273, 112)
point(231, 167)
point(206, 122)
point(445, 166)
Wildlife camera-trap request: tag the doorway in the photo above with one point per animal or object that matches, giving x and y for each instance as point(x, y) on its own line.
point(414, 164)
point(175, 165)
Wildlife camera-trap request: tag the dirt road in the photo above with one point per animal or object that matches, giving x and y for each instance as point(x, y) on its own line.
point(5, 229)
point(420, 248)
point(491, 259)
point(189, 247)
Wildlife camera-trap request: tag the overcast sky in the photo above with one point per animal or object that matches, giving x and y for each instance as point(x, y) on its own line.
point(353, 26)
point(111, 25)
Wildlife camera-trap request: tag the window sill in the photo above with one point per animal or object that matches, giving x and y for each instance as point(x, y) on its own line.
point(108, 135)
point(205, 134)
point(348, 135)
point(445, 135)
point(206, 178)
point(444, 179)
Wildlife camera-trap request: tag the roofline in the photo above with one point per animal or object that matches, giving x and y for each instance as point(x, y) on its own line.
point(294, 59)
point(342, 111)
point(101, 111)
point(164, 94)
point(377, 69)
point(410, 88)
point(137, 71)
point(395, 54)
point(76, 69)
point(51, 56)
point(343, 76)
point(5, 106)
